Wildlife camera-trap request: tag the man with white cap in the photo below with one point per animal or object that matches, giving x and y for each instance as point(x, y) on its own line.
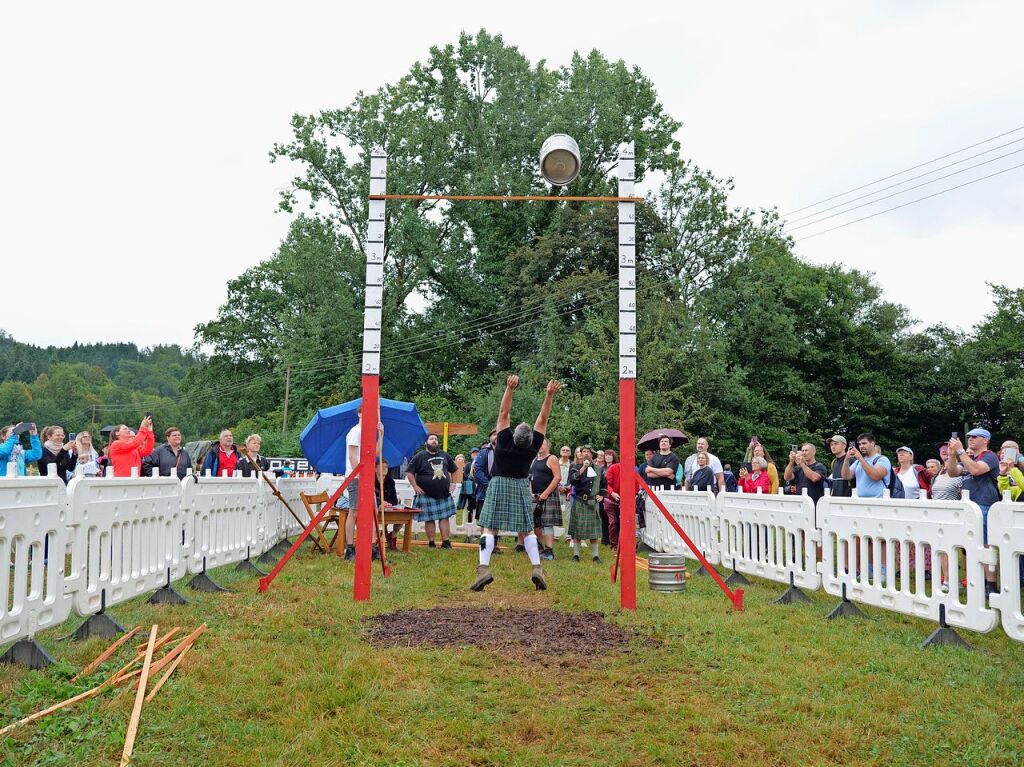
point(979, 467)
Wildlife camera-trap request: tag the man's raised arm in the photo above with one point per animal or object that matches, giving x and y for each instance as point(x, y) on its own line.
point(505, 408)
point(545, 410)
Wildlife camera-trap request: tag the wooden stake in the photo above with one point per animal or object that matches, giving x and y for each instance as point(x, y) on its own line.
point(167, 673)
point(133, 723)
point(105, 654)
point(178, 650)
point(159, 643)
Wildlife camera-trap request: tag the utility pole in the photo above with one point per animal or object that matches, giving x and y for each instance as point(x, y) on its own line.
point(287, 389)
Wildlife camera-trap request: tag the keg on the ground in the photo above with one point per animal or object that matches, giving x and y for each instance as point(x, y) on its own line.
point(666, 572)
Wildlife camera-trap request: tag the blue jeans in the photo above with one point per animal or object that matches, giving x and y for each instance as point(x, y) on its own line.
point(984, 521)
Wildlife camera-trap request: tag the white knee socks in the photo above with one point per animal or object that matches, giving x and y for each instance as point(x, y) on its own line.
point(486, 548)
point(594, 549)
point(532, 550)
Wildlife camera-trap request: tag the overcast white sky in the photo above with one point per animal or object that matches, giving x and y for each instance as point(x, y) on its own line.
point(134, 138)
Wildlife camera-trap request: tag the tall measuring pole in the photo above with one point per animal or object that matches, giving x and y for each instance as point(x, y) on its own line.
point(372, 308)
point(627, 379)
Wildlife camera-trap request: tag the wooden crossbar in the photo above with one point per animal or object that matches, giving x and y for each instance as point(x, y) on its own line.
point(508, 197)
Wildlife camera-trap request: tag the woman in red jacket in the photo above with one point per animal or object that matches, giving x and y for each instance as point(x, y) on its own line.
point(611, 501)
point(128, 449)
point(758, 479)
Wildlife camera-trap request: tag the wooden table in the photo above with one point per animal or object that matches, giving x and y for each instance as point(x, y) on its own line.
point(393, 515)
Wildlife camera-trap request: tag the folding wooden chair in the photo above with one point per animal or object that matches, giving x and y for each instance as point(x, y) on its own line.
point(317, 500)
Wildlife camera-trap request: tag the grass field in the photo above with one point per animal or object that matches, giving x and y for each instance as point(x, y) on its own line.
point(284, 678)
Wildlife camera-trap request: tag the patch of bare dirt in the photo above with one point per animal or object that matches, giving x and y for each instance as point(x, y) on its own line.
point(538, 632)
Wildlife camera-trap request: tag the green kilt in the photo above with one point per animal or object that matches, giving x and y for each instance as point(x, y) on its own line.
point(551, 513)
point(433, 509)
point(508, 506)
point(584, 521)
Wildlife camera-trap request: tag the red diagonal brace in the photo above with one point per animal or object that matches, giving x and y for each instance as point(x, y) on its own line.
point(736, 597)
point(267, 579)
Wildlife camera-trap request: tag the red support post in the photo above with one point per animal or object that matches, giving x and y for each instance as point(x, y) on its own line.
point(736, 597)
point(627, 485)
point(267, 579)
point(367, 503)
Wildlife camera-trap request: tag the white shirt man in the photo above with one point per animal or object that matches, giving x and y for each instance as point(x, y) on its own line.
point(713, 463)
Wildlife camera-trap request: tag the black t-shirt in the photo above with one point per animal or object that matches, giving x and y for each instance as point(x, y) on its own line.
point(433, 472)
point(841, 488)
point(540, 476)
point(659, 461)
point(814, 489)
point(512, 461)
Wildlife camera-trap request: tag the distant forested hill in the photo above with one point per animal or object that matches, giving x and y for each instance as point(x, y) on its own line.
point(91, 385)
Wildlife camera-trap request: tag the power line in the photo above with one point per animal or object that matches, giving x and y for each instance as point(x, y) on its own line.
point(900, 173)
point(911, 202)
point(912, 178)
point(904, 191)
point(408, 347)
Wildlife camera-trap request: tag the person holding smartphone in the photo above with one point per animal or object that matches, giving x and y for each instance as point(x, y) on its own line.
point(13, 452)
point(127, 449)
point(1011, 478)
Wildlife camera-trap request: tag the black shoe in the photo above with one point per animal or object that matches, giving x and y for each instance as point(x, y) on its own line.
point(350, 553)
point(520, 548)
point(446, 544)
point(575, 557)
point(431, 544)
point(597, 559)
point(547, 554)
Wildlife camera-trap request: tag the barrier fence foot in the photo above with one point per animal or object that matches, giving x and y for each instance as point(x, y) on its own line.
point(98, 625)
point(27, 652)
point(203, 582)
point(702, 571)
point(282, 546)
point(944, 635)
point(166, 595)
point(267, 557)
point(246, 566)
point(737, 579)
point(845, 609)
point(792, 596)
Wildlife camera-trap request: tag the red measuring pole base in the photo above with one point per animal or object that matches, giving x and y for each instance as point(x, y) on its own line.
point(626, 554)
point(367, 503)
point(736, 597)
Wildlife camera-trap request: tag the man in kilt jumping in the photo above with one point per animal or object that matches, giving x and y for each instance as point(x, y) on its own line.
point(508, 504)
point(430, 476)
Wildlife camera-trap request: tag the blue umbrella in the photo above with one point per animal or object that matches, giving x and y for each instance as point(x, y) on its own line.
point(323, 439)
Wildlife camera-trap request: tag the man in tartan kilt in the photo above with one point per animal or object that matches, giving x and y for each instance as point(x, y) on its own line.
point(545, 477)
point(430, 476)
point(508, 504)
point(588, 481)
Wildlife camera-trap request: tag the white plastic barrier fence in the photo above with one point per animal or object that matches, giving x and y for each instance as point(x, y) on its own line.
point(695, 512)
point(33, 511)
point(770, 536)
point(222, 520)
point(1006, 531)
point(870, 530)
point(126, 535)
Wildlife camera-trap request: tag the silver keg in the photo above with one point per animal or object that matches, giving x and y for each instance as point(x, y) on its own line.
point(666, 572)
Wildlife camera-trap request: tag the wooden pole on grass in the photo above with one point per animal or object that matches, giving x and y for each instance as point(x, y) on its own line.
point(133, 723)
